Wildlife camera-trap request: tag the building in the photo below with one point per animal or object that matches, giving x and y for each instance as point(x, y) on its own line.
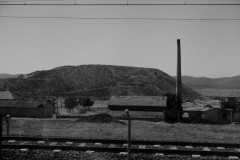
point(137, 103)
point(211, 115)
point(217, 115)
point(229, 103)
point(196, 115)
point(26, 108)
point(236, 115)
point(6, 95)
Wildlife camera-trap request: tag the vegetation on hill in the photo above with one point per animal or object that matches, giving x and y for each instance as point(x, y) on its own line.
point(96, 80)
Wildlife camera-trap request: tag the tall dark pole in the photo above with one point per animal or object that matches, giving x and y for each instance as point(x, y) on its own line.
point(179, 78)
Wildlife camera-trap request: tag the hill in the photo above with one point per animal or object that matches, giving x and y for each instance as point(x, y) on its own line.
point(214, 83)
point(96, 80)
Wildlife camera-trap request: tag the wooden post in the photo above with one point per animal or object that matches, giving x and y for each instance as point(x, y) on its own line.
point(129, 134)
point(0, 136)
point(56, 105)
point(8, 118)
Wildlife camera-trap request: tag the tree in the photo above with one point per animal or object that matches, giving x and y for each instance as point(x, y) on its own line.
point(86, 102)
point(70, 103)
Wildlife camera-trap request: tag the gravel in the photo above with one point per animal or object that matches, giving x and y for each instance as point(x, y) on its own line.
point(200, 148)
point(14, 154)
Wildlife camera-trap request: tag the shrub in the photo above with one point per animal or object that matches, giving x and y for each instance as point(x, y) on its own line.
point(86, 102)
point(70, 103)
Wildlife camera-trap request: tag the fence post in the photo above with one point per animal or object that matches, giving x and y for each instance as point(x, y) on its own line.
point(8, 118)
point(0, 136)
point(129, 133)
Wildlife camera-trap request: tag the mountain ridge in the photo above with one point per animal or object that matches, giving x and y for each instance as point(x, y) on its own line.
point(214, 83)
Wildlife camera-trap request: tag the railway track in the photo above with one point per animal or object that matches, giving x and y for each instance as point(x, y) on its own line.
point(120, 146)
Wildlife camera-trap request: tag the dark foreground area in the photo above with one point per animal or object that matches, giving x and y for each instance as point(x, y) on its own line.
point(10, 154)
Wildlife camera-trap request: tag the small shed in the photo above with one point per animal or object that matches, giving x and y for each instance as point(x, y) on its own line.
point(229, 102)
point(196, 115)
point(236, 115)
point(26, 108)
point(137, 103)
point(6, 95)
point(217, 115)
point(209, 114)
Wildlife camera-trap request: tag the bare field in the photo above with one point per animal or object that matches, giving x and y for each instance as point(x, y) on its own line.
point(141, 130)
point(219, 92)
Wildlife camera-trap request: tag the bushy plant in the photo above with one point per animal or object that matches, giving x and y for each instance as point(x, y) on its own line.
point(86, 102)
point(70, 103)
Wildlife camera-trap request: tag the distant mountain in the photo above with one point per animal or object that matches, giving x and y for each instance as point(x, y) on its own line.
point(5, 75)
point(215, 83)
point(96, 80)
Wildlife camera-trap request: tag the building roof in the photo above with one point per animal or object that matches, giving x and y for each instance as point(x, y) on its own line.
point(156, 101)
point(6, 95)
point(188, 110)
point(21, 103)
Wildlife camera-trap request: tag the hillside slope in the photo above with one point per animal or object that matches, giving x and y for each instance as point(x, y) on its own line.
point(215, 83)
point(96, 80)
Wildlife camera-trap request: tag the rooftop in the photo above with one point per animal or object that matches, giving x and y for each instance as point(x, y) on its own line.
point(137, 101)
point(6, 95)
point(22, 103)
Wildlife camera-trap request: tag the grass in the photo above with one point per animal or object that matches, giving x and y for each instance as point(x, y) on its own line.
point(141, 130)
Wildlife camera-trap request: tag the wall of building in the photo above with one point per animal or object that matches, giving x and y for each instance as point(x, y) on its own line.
point(217, 116)
point(48, 111)
point(195, 116)
point(22, 112)
point(236, 116)
point(45, 111)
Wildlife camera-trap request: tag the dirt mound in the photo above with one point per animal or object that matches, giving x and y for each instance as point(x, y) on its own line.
point(98, 118)
point(101, 81)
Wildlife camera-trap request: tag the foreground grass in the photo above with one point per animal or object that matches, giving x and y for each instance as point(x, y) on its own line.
point(141, 130)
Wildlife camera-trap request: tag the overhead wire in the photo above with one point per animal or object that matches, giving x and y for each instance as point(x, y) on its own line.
point(124, 18)
point(118, 4)
point(124, 2)
point(113, 4)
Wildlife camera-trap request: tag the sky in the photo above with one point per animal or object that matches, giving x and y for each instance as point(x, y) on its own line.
point(74, 35)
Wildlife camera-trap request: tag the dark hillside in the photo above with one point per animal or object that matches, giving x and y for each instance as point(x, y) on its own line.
point(97, 80)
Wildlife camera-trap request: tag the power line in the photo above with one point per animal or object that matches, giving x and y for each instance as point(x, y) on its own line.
point(119, 4)
point(124, 2)
point(124, 18)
